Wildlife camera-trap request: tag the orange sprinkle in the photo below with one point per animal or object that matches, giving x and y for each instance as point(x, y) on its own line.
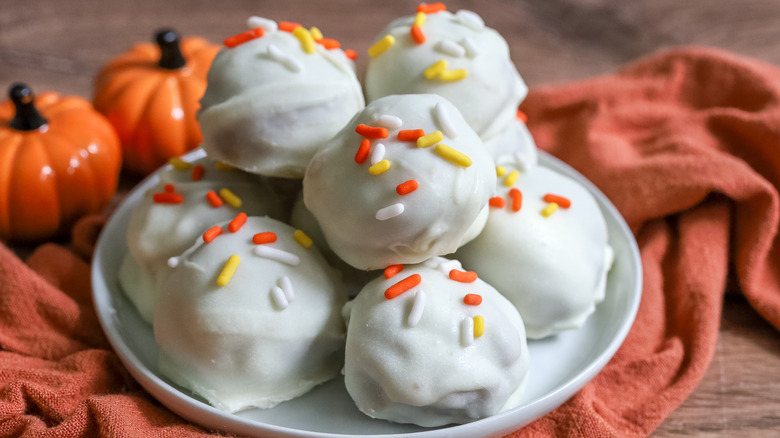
point(463, 276)
point(197, 172)
point(212, 233)
point(168, 198)
point(372, 131)
point(560, 200)
point(264, 237)
point(402, 286)
point(430, 8)
point(237, 222)
point(363, 151)
point(391, 270)
point(288, 26)
point(351, 54)
point(328, 43)
point(410, 134)
point(417, 34)
point(517, 198)
point(497, 202)
point(522, 116)
point(407, 187)
point(169, 188)
point(472, 299)
point(214, 199)
point(243, 37)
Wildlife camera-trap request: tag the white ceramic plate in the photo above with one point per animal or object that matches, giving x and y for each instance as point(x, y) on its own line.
point(560, 366)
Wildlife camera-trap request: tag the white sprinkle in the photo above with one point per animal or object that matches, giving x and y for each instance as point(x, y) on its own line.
point(286, 286)
point(449, 47)
point(471, 48)
point(448, 265)
point(417, 308)
point(444, 122)
point(278, 255)
point(470, 19)
point(389, 212)
point(389, 121)
point(267, 24)
point(278, 297)
point(467, 331)
point(378, 154)
point(173, 262)
point(286, 60)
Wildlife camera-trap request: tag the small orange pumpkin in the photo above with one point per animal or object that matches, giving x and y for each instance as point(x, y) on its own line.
point(150, 94)
point(59, 160)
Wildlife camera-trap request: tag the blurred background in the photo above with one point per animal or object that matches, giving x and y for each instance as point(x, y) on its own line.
point(60, 45)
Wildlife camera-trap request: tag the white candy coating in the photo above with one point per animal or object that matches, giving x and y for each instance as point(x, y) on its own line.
point(157, 232)
point(489, 95)
point(269, 104)
point(552, 268)
point(514, 145)
point(359, 212)
point(406, 360)
point(270, 334)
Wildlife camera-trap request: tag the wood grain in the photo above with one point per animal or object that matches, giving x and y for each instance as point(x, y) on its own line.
point(59, 45)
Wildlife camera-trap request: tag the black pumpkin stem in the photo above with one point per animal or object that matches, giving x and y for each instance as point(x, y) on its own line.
point(170, 52)
point(27, 117)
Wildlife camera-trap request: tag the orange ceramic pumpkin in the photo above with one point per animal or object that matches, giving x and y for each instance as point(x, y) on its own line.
point(59, 160)
point(150, 94)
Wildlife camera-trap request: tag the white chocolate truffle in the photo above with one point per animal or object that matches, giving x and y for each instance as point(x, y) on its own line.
point(441, 351)
point(250, 325)
point(269, 104)
point(461, 60)
point(551, 261)
point(385, 201)
point(159, 230)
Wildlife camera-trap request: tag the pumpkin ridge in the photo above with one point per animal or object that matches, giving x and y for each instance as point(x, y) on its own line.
point(42, 217)
point(8, 154)
point(67, 103)
point(125, 121)
point(147, 156)
point(69, 211)
point(107, 94)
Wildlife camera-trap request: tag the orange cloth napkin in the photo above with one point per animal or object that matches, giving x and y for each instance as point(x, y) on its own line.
point(686, 144)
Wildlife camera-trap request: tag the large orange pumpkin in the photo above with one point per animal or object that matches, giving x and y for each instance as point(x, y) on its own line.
point(59, 160)
point(150, 94)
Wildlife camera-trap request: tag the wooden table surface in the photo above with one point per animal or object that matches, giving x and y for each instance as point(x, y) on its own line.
point(60, 45)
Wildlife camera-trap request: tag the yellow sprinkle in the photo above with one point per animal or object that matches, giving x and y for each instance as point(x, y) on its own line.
point(305, 38)
point(435, 69)
point(228, 270)
point(430, 139)
point(379, 168)
point(453, 75)
point(230, 198)
point(316, 33)
point(222, 166)
point(500, 171)
point(302, 239)
point(419, 19)
point(452, 155)
point(179, 164)
point(479, 326)
point(510, 179)
point(550, 209)
point(381, 45)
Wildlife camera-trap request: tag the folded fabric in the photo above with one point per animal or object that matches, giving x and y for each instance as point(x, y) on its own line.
point(686, 143)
